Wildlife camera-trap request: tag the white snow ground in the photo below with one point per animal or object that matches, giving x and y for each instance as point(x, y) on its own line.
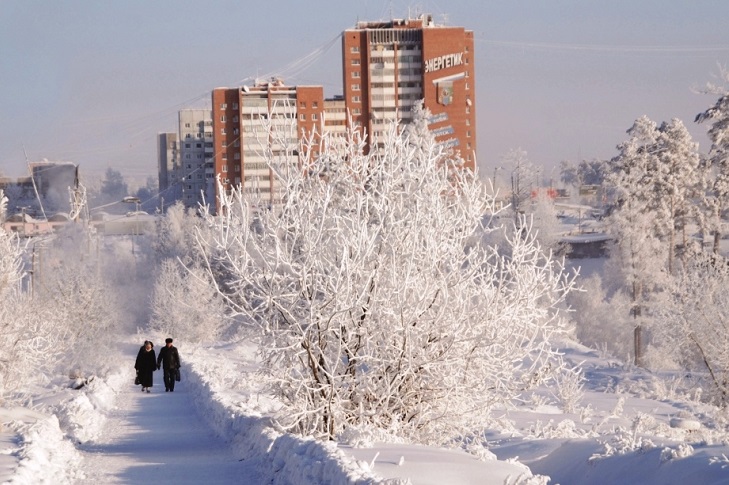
point(214, 429)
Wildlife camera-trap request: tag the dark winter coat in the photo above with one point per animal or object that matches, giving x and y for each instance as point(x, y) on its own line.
point(169, 358)
point(145, 365)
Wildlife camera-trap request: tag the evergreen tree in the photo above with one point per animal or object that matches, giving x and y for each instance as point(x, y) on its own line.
point(717, 195)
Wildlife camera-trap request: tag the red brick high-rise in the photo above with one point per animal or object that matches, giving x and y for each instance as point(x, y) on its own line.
point(254, 123)
point(389, 66)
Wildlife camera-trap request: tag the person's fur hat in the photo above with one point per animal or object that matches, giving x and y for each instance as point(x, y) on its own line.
point(168, 340)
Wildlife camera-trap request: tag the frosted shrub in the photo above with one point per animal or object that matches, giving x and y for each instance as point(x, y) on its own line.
point(376, 302)
point(185, 302)
point(695, 314)
point(570, 385)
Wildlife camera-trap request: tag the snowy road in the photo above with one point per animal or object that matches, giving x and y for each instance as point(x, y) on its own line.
point(158, 438)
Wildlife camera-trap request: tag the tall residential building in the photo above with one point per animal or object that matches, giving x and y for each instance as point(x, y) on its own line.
point(196, 156)
point(389, 66)
point(169, 171)
point(254, 123)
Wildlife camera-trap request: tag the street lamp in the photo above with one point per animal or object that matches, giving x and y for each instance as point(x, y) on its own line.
point(493, 181)
point(130, 199)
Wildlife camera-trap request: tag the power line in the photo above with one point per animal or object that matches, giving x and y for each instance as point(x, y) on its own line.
point(668, 49)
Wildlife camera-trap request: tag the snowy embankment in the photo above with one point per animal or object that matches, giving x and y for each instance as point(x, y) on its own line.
point(37, 442)
point(240, 419)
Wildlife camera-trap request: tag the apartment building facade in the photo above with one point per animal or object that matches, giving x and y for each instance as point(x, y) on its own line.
point(196, 151)
point(255, 125)
point(169, 171)
point(390, 66)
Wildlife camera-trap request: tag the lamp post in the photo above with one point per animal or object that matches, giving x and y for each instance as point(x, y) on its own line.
point(129, 199)
point(493, 180)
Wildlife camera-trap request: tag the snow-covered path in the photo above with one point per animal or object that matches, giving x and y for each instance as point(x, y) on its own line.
point(159, 438)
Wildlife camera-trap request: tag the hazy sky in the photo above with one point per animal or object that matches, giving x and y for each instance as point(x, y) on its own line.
point(93, 82)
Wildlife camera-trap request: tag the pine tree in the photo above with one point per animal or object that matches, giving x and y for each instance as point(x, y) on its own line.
point(717, 196)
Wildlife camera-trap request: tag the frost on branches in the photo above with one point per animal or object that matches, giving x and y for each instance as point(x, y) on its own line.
point(376, 303)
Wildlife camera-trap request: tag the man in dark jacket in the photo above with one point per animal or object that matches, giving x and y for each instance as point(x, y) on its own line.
point(169, 359)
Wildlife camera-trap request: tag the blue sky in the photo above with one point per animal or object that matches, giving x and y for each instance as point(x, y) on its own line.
point(93, 82)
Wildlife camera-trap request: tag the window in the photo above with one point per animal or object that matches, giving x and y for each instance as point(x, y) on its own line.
point(355, 99)
point(198, 145)
point(355, 62)
point(222, 131)
point(467, 87)
point(188, 135)
point(235, 118)
point(187, 156)
point(236, 156)
point(223, 168)
point(224, 143)
point(199, 156)
point(354, 50)
point(315, 105)
point(222, 118)
point(187, 145)
point(235, 105)
point(302, 117)
point(223, 105)
point(237, 168)
point(355, 87)
point(224, 156)
point(236, 131)
point(468, 134)
point(314, 117)
point(356, 111)
point(302, 104)
point(187, 125)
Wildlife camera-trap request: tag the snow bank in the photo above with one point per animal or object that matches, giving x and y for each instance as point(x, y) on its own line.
point(37, 445)
point(44, 455)
point(281, 458)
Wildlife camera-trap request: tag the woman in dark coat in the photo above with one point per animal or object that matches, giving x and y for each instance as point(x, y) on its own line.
point(146, 364)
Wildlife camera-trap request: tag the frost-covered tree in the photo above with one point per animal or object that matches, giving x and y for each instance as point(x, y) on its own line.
point(173, 238)
point(27, 335)
point(3, 206)
point(717, 194)
point(589, 172)
point(676, 181)
point(695, 312)
point(545, 224)
point(84, 306)
point(523, 180)
point(640, 252)
point(374, 303)
point(186, 302)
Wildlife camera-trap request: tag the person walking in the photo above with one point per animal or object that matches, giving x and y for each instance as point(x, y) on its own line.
point(146, 365)
point(169, 358)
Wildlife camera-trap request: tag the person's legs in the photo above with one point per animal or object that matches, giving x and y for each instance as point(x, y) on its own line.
point(169, 380)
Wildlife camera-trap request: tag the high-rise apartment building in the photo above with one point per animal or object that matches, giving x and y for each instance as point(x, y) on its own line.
point(389, 66)
point(196, 156)
point(255, 124)
point(169, 171)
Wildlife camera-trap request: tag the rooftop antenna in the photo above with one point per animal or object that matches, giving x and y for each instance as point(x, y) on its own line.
point(32, 179)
